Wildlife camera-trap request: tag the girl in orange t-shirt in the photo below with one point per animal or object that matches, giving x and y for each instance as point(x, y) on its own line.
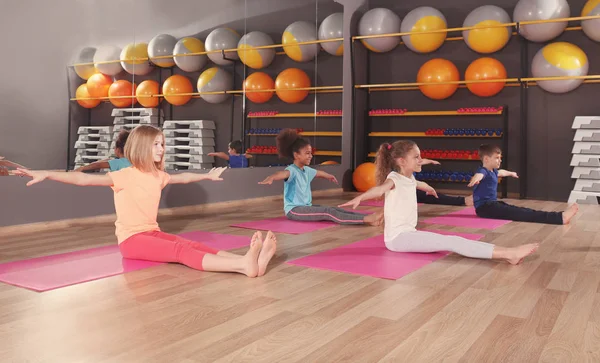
point(137, 192)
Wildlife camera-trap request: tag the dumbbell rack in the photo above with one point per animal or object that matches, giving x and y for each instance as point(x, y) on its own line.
point(586, 160)
point(187, 144)
point(476, 132)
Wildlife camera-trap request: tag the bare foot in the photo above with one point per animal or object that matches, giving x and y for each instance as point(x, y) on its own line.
point(569, 213)
point(469, 200)
point(516, 255)
point(375, 219)
point(269, 247)
point(250, 268)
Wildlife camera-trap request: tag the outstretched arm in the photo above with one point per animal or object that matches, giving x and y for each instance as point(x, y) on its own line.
point(426, 188)
point(429, 161)
point(324, 175)
point(476, 179)
point(186, 178)
point(372, 193)
point(280, 175)
point(80, 179)
point(503, 173)
point(10, 164)
point(219, 155)
point(97, 165)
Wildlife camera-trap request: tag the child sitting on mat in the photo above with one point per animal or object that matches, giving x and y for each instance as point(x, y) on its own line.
point(396, 164)
point(485, 194)
point(235, 157)
point(112, 164)
point(297, 195)
point(137, 192)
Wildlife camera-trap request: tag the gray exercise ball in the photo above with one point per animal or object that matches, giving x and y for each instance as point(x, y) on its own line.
point(332, 27)
point(379, 21)
point(162, 45)
point(591, 27)
point(527, 10)
point(220, 39)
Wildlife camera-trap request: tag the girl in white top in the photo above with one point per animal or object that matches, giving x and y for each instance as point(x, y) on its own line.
point(396, 164)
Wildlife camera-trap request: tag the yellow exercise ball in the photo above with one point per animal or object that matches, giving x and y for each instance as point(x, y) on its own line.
point(423, 19)
point(487, 40)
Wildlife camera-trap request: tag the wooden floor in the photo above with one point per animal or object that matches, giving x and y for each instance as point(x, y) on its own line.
point(455, 309)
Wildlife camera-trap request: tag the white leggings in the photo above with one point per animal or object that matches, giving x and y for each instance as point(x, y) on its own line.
point(427, 242)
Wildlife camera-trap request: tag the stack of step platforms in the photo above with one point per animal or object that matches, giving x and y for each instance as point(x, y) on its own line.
point(130, 118)
point(187, 144)
point(93, 144)
point(586, 160)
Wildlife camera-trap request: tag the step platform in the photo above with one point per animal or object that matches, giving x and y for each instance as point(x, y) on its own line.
point(191, 150)
point(588, 135)
point(586, 122)
point(92, 145)
point(580, 147)
point(105, 153)
point(203, 133)
point(187, 166)
point(140, 111)
point(95, 137)
point(584, 197)
point(582, 172)
point(84, 159)
point(587, 185)
point(96, 130)
point(189, 141)
point(588, 160)
point(191, 124)
point(143, 120)
point(197, 159)
point(127, 127)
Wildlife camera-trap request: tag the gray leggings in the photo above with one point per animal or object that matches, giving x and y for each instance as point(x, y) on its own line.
point(322, 213)
point(427, 242)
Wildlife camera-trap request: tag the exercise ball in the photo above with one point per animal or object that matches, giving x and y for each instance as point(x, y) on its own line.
point(527, 10)
point(86, 55)
point(288, 79)
point(332, 27)
point(379, 21)
point(146, 93)
point(487, 40)
point(82, 92)
point(300, 31)
point(485, 69)
point(174, 89)
point(220, 39)
point(257, 81)
point(364, 177)
point(98, 85)
point(122, 88)
point(559, 59)
point(110, 54)
point(330, 162)
point(136, 51)
point(189, 63)
point(591, 27)
point(424, 18)
point(213, 80)
point(256, 58)
point(162, 45)
point(434, 71)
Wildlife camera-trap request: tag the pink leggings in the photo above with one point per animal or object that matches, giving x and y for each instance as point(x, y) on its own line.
point(163, 247)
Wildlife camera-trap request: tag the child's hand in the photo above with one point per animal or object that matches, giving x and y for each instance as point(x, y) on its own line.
point(430, 191)
point(332, 179)
point(212, 154)
point(215, 174)
point(268, 180)
point(475, 180)
point(37, 176)
point(513, 174)
point(353, 203)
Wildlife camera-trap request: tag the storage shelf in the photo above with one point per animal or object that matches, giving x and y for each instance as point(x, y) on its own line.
point(307, 133)
point(293, 115)
point(436, 113)
point(422, 134)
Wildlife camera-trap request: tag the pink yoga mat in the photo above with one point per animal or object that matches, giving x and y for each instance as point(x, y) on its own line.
point(467, 218)
point(52, 272)
point(284, 225)
point(370, 257)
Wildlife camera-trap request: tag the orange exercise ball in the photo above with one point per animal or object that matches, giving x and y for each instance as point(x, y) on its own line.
point(98, 85)
point(176, 85)
point(122, 88)
point(435, 71)
point(292, 78)
point(145, 91)
point(257, 81)
point(330, 162)
point(82, 92)
point(363, 177)
point(485, 68)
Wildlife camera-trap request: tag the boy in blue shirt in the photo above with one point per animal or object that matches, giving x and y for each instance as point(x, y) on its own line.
point(486, 191)
point(121, 162)
point(235, 157)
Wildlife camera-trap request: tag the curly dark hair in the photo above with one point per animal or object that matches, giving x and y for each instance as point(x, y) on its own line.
point(289, 142)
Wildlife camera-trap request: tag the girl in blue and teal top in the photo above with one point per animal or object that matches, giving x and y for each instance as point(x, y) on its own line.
point(297, 177)
point(121, 162)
